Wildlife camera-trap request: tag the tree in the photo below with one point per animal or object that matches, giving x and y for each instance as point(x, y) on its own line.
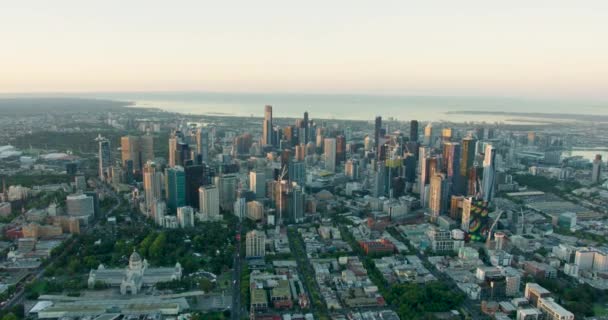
point(10, 316)
point(206, 285)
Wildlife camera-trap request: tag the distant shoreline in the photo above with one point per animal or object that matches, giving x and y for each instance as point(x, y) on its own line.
point(564, 116)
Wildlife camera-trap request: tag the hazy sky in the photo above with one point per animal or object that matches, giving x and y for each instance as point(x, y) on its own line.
point(538, 48)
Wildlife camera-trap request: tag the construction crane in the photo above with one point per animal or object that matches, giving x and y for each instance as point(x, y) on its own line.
point(491, 231)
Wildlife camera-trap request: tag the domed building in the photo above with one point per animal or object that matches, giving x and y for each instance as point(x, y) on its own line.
point(135, 276)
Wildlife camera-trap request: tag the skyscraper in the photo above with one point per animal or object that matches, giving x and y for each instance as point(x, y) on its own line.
point(330, 154)
point(130, 150)
point(340, 149)
point(466, 214)
point(105, 157)
point(424, 153)
point(596, 170)
point(297, 172)
point(451, 165)
point(196, 176)
point(467, 155)
point(172, 151)
point(300, 152)
point(152, 184)
point(139, 149)
point(489, 173)
point(296, 205)
point(414, 130)
point(226, 184)
point(257, 183)
point(267, 126)
point(377, 130)
point(147, 148)
point(428, 134)
point(176, 187)
point(437, 196)
point(209, 200)
point(202, 144)
point(306, 131)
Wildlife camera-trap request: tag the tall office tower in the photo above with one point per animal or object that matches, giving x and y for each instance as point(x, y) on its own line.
point(340, 149)
point(489, 173)
point(173, 141)
point(367, 144)
point(209, 201)
point(267, 126)
point(196, 176)
point(306, 127)
point(185, 217)
point(320, 138)
point(428, 134)
point(466, 214)
point(330, 154)
point(257, 183)
point(300, 152)
point(240, 208)
point(105, 157)
point(446, 134)
point(531, 138)
point(227, 184)
point(255, 244)
point(152, 184)
point(414, 130)
point(131, 150)
point(242, 144)
point(596, 171)
point(147, 148)
point(380, 180)
point(176, 187)
point(409, 160)
point(467, 159)
point(437, 196)
point(289, 135)
point(202, 144)
point(423, 161)
point(451, 165)
point(297, 172)
point(182, 154)
point(351, 169)
point(296, 205)
point(377, 129)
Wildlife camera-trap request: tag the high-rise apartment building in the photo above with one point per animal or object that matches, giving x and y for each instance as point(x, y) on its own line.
point(255, 244)
point(105, 157)
point(138, 149)
point(414, 130)
point(596, 170)
point(267, 127)
point(153, 181)
point(330, 154)
point(209, 200)
point(489, 173)
point(257, 183)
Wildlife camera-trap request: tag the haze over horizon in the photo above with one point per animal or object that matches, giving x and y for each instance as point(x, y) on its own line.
point(548, 49)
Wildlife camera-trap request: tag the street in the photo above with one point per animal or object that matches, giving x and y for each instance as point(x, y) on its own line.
point(235, 312)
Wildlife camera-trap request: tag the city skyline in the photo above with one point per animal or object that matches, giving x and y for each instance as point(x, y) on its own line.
point(551, 49)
